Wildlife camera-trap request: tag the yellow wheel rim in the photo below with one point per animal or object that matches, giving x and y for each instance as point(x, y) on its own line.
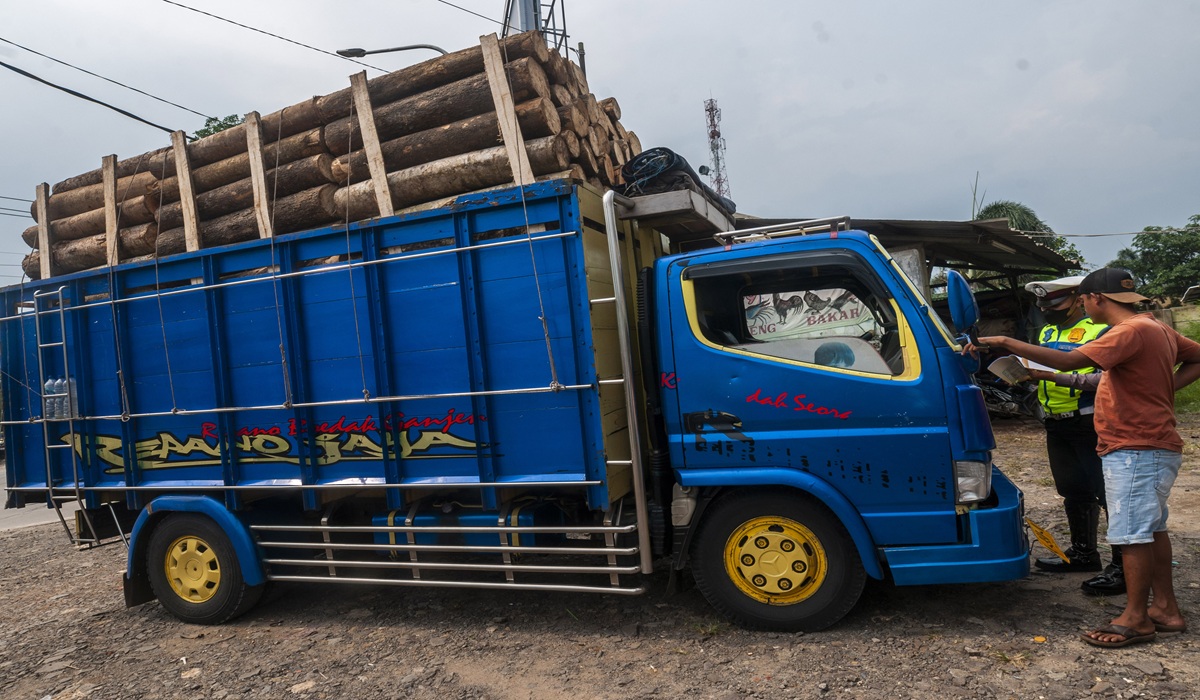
point(775, 560)
point(192, 569)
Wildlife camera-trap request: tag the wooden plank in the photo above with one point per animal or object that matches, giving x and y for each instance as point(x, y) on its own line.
point(108, 175)
point(258, 175)
point(510, 129)
point(187, 193)
point(370, 136)
point(41, 199)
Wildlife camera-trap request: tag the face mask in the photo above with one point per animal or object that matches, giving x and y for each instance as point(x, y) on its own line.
point(1058, 316)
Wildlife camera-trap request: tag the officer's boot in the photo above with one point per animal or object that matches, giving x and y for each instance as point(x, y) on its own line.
point(1082, 520)
point(1111, 581)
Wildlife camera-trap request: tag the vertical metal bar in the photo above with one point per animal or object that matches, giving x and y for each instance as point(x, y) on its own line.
point(473, 345)
point(381, 352)
point(293, 331)
point(631, 402)
point(213, 301)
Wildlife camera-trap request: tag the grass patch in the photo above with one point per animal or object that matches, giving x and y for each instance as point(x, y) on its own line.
point(1187, 399)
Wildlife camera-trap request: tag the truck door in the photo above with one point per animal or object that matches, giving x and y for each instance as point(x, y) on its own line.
point(807, 360)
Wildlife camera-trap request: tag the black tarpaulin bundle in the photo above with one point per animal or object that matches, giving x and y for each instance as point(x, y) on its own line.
point(663, 170)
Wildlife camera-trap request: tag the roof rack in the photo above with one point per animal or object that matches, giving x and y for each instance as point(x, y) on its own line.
point(795, 228)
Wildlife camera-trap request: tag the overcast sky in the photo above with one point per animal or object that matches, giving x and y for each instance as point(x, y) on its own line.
point(1086, 110)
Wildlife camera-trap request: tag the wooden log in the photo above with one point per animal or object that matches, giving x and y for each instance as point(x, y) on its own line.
point(89, 197)
point(294, 148)
point(587, 159)
point(92, 251)
point(611, 108)
point(599, 140)
point(450, 176)
point(557, 70)
point(578, 79)
point(573, 118)
point(281, 182)
point(431, 74)
point(302, 118)
point(444, 105)
point(572, 172)
point(125, 168)
point(289, 121)
point(635, 144)
point(309, 209)
point(134, 211)
point(572, 142)
point(537, 117)
point(560, 94)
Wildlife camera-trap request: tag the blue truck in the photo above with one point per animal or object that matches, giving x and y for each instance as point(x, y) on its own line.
point(533, 388)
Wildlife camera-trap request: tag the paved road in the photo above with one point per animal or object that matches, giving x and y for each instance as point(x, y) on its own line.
point(32, 514)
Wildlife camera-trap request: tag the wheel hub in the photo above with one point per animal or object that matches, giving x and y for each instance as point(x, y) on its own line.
point(775, 560)
point(192, 569)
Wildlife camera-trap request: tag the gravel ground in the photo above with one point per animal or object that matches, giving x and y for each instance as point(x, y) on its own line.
point(66, 633)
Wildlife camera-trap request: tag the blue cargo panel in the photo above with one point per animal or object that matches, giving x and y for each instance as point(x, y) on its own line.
point(408, 350)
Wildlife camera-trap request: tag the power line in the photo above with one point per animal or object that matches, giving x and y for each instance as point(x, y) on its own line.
point(82, 96)
point(16, 199)
point(97, 75)
point(19, 216)
point(472, 12)
point(11, 209)
point(283, 38)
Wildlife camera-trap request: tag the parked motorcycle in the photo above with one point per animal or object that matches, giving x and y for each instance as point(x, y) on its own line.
point(1004, 400)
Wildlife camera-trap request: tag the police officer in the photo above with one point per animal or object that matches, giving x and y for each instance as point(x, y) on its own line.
point(1066, 400)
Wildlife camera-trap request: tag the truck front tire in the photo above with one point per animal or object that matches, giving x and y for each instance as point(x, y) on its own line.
point(776, 561)
point(195, 573)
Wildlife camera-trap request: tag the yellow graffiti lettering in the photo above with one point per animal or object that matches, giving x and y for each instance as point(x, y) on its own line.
point(356, 442)
point(435, 438)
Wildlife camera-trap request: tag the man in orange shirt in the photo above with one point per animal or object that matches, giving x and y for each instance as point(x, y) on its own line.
point(1138, 443)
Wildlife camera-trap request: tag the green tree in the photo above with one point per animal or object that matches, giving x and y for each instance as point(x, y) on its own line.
point(1022, 218)
point(212, 125)
point(1165, 260)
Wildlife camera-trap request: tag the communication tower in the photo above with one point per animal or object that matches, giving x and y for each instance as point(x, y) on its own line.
point(716, 150)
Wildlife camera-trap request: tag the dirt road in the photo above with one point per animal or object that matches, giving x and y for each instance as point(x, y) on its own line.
point(66, 633)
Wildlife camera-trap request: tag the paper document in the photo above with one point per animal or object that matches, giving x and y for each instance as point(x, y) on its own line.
point(1010, 369)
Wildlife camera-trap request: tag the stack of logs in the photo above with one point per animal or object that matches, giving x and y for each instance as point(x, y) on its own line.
point(436, 128)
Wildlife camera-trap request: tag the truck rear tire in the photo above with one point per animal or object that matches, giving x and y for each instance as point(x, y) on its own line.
point(776, 561)
point(195, 573)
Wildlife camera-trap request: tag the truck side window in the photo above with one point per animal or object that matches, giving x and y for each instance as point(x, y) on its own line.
point(822, 316)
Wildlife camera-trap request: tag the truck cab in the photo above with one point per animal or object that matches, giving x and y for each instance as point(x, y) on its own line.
point(823, 426)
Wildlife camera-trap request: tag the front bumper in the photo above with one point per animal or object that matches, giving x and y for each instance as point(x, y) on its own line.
point(995, 546)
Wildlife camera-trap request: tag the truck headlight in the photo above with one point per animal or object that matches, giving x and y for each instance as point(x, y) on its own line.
point(972, 481)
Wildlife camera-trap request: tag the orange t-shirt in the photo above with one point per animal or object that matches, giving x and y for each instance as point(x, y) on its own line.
point(1135, 403)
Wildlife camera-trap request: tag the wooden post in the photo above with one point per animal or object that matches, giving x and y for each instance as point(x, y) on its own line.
point(510, 129)
point(370, 137)
point(187, 194)
point(108, 174)
point(40, 201)
point(258, 175)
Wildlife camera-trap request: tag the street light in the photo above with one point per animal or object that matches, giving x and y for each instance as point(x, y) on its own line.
point(359, 53)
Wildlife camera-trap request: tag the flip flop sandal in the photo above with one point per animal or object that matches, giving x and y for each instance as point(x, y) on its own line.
point(1164, 629)
point(1131, 636)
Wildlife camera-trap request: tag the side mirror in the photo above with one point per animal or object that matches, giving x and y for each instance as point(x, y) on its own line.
point(964, 310)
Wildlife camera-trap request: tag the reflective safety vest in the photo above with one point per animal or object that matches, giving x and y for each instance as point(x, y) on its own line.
point(1061, 399)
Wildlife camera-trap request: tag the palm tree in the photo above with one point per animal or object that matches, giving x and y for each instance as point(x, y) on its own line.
point(1022, 218)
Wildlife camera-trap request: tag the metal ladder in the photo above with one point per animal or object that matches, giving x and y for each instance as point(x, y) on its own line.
point(49, 307)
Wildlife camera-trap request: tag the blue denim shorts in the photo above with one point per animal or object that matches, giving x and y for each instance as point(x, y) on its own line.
point(1137, 483)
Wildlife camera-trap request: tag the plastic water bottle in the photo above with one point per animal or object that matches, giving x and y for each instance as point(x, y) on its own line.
point(48, 404)
point(73, 405)
point(60, 403)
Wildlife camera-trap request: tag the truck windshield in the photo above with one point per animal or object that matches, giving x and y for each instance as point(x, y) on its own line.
point(834, 315)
